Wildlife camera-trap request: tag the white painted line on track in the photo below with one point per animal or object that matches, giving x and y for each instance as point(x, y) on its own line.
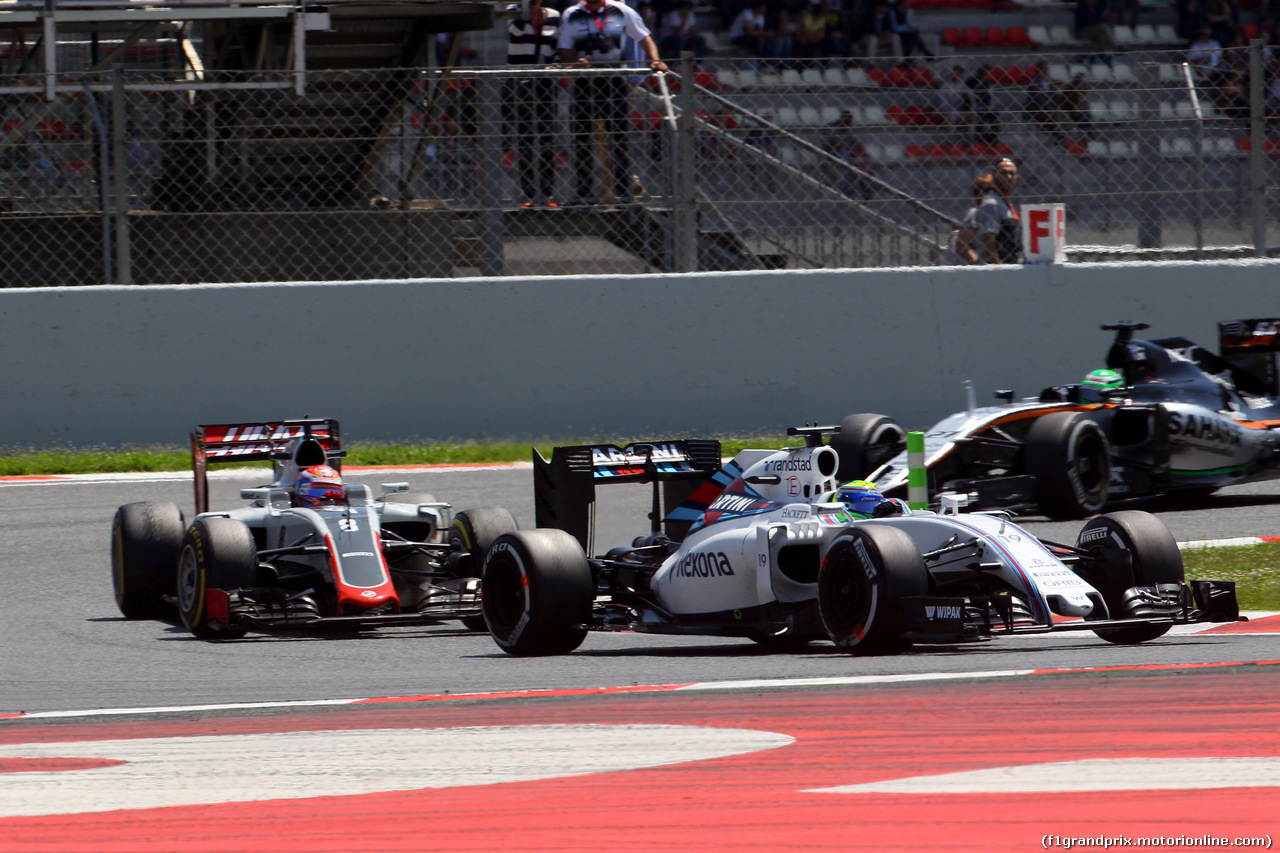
point(852, 680)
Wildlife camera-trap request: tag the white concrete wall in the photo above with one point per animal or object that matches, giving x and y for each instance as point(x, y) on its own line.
point(581, 357)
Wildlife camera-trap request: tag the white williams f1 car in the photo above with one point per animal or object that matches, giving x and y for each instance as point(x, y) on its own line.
point(1167, 416)
point(309, 551)
point(770, 547)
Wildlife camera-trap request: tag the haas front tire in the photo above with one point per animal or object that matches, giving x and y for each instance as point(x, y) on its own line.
point(145, 540)
point(864, 443)
point(1147, 545)
point(864, 576)
point(537, 592)
point(217, 553)
point(474, 531)
point(1070, 457)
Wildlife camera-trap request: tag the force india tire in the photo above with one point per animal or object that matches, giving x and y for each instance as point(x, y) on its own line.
point(475, 531)
point(864, 576)
point(217, 553)
point(1155, 557)
point(145, 540)
point(864, 443)
point(537, 592)
point(1070, 457)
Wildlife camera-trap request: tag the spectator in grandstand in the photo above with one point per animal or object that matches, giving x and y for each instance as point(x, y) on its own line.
point(1190, 18)
point(1232, 97)
point(748, 30)
point(1044, 104)
point(878, 37)
point(902, 22)
point(591, 34)
point(986, 121)
point(811, 32)
point(1205, 55)
point(1093, 24)
point(1075, 107)
point(963, 246)
point(840, 139)
point(531, 103)
point(680, 31)
point(997, 219)
point(1222, 18)
point(955, 98)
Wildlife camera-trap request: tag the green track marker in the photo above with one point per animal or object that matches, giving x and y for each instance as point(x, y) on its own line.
point(917, 474)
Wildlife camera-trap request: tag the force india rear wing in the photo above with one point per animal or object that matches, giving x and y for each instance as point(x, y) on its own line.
point(221, 443)
point(1252, 345)
point(564, 488)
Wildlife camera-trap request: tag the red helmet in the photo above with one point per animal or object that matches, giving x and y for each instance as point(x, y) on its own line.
point(319, 484)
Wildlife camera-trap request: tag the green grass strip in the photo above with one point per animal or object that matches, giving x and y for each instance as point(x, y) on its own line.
point(1254, 568)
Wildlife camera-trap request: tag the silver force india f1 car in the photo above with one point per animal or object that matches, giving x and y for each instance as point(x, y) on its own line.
point(309, 551)
point(1165, 416)
point(770, 548)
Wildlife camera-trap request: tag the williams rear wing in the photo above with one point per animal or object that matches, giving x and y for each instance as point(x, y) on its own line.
point(564, 489)
point(220, 443)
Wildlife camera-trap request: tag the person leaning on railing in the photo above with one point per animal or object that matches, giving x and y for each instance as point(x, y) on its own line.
point(591, 35)
point(997, 218)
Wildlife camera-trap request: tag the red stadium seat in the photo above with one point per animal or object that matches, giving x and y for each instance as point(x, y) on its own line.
point(1017, 37)
point(1250, 31)
point(877, 76)
point(981, 151)
point(958, 151)
point(508, 159)
point(916, 151)
point(1076, 148)
point(971, 37)
point(922, 76)
point(998, 76)
point(899, 76)
point(951, 36)
point(1017, 75)
point(1002, 149)
point(995, 37)
point(897, 113)
point(707, 80)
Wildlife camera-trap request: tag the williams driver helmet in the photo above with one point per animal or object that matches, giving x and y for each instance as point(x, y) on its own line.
point(859, 497)
point(318, 484)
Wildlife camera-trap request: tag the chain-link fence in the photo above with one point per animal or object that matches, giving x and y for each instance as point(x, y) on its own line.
point(146, 176)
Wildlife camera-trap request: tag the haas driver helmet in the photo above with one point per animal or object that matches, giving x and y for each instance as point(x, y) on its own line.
point(317, 485)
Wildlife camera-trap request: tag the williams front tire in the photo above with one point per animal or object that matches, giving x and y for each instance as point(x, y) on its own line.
point(864, 576)
point(1140, 540)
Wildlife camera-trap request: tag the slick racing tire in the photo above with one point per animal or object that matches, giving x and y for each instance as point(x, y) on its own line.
point(864, 576)
point(1151, 550)
point(537, 592)
point(1070, 458)
point(145, 540)
point(864, 443)
point(475, 531)
point(217, 553)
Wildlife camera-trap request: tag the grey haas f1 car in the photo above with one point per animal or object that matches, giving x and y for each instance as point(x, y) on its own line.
point(1167, 416)
point(769, 547)
point(308, 552)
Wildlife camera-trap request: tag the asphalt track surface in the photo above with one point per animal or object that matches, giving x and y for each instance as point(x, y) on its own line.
point(634, 741)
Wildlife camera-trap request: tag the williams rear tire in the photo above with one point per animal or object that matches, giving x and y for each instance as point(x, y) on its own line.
point(1141, 540)
point(145, 540)
point(537, 593)
point(864, 576)
point(864, 443)
point(217, 553)
point(1070, 457)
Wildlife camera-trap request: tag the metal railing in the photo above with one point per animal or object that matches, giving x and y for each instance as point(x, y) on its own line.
point(145, 176)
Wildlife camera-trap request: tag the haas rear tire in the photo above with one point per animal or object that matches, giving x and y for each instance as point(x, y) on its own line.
point(537, 592)
point(864, 443)
point(145, 540)
point(1153, 554)
point(1070, 458)
point(217, 553)
point(864, 576)
point(475, 531)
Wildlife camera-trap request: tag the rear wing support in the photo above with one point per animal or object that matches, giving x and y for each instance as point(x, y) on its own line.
point(564, 488)
point(1251, 346)
point(221, 443)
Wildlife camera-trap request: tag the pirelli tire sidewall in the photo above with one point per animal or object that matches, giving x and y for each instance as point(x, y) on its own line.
point(1153, 554)
point(145, 540)
point(865, 442)
point(217, 553)
point(537, 590)
point(1070, 458)
point(861, 583)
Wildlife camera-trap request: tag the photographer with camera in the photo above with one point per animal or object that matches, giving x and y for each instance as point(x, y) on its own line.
point(591, 34)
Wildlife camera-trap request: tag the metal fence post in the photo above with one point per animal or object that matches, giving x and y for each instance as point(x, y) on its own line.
point(1149, 230)
point(489, 174)
point(1257, 150)
point(120, 163)
point(685, 189)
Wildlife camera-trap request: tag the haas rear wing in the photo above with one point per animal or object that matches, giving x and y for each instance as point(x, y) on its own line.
point(220, 443)
point(1251, 345)
point(564, 488)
